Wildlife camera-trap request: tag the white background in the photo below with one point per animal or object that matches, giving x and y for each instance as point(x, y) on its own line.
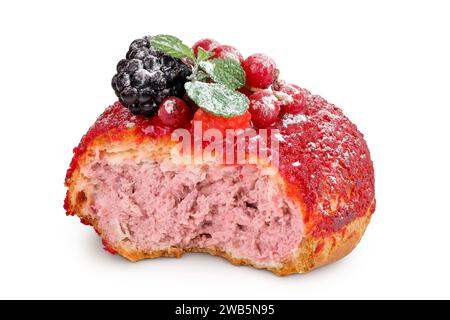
point(385, 63)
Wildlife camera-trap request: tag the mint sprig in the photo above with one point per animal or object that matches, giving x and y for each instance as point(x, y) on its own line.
point(219, 98)
point(203, 55)
point(228, 72)
point(172, 46)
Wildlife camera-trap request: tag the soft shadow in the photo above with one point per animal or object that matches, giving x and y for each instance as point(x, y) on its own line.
point(94, 247)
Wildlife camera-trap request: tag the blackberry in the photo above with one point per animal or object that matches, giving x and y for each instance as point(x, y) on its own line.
point(146, 77)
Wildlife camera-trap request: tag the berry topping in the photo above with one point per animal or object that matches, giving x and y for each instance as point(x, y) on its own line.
point(174, 112)
point(228, 52)
point(291, 96)
point(213, 83)
point(246, 91)
point(146, 77)
point(206, 44)
point(260, 71)
point(264, 108)
point(210, 121)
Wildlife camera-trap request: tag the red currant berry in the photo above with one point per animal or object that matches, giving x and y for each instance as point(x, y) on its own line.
point(191, 104)
point(260, 71)
point(246, 91)
point(206, 44)
point(211, 121)
point(174, 112)
point(291, 97)
point(228, 52)
point(264, 108)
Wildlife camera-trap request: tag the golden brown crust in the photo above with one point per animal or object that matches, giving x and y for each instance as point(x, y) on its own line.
point(312, 252)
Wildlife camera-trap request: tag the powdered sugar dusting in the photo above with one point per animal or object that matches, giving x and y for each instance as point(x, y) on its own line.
point(170, 106)
point(326, 157)
point(266, 104)
point(291, 119)
point(279, 137)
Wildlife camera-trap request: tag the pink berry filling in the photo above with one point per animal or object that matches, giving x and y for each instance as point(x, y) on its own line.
point(154, 206)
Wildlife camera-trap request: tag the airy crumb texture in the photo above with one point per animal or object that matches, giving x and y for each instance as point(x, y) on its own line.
point(157, 206)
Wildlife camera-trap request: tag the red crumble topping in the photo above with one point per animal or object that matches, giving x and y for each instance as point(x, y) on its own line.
point(323, 156)
point(319, 247)
point(107, 248)
point(113, 124)
point(327, 161)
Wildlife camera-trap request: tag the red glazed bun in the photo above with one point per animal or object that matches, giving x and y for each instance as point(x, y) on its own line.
point(309, 211)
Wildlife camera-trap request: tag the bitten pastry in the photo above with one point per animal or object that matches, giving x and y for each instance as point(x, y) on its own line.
point(128, 181)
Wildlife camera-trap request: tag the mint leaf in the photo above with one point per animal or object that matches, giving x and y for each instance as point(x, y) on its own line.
point(171, 46)
point(203, 55)
point(202, 76)
point(217, 98)
point(228, 72)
